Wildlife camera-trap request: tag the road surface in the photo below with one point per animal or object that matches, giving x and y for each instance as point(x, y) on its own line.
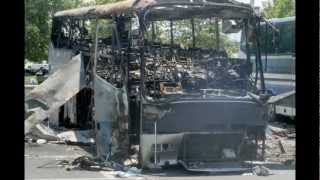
point(41, 164)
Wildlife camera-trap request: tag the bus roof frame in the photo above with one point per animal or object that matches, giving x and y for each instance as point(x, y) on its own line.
point(228, 8)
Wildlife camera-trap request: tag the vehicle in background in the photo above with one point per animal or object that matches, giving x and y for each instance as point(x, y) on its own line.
point(37, 68)
point(278, 56)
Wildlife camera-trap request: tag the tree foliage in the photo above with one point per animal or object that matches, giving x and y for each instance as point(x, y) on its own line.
point(279, 8)
point(36, 28)
point(38, 19)
point(38, 15)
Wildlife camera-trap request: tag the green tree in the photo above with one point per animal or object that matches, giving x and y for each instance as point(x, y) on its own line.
point(35, 44)
point(38, 16)
point(36, 28)
point(279, 8)
point(38, 20)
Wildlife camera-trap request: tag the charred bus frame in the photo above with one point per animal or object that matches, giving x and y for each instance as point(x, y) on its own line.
point(172, 119)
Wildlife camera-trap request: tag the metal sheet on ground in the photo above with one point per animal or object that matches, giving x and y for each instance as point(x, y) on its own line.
point(56, 90)
point(111, 111)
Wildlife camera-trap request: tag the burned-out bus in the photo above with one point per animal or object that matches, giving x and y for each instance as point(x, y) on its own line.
point(178, 104)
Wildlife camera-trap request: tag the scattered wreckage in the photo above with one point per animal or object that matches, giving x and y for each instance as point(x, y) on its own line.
point(194, 106)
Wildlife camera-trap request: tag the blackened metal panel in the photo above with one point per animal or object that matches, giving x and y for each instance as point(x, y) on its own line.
point(84, 99)
point(111, 114)
point(209, 146)
point(205, 116)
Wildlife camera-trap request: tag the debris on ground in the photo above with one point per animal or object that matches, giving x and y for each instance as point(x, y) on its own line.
point(79, 136)
point(132, 160)
point(261, 171)
point(91, 164)
point(247, 174)
point(41, 141)
point(63, 163)
point(36, 115)
point(280, 143)
point(277, 132)
point(56, 136)
point(85, 163)
point(41, 131)
point(115, 166)
point(132, 171)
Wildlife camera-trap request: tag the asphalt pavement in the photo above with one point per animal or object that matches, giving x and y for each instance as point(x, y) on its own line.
point(42, 163)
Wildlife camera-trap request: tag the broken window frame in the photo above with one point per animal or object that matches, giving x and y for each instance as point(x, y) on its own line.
point(116, 50)
point(249, 23)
